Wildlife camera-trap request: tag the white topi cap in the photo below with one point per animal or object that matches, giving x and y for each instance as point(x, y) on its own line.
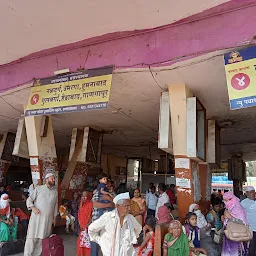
point(250, 188)
point(122, 196)
point(50, 174)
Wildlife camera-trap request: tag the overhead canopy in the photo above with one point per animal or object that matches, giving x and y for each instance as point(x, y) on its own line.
point(131, 120)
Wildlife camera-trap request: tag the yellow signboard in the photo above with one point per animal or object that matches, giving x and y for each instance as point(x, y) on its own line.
point(80, 91)
point(240, 69)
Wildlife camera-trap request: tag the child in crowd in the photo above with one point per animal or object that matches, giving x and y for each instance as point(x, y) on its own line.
point(213, 216)
point(147, 246)
point(112, 190)
point(64, 214)
point(103, 190)
point(23, 220)
point(193, 234)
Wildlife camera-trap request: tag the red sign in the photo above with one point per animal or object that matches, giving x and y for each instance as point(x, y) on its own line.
point(34, 99)
point(240, 81)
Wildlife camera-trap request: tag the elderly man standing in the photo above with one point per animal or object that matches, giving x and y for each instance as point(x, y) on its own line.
point(116, 232)
point(32, 187)
point(249, 205)
point(44, 205)
point(96, 215)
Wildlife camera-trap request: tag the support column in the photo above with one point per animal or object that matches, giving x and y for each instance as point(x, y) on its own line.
point(85, 154)
point(205, 177)
point(4, 163)
point(41, 146)
point(183, 166)
point(184, 184)
point(237, 173)
point(237, 187)
point(189, 126)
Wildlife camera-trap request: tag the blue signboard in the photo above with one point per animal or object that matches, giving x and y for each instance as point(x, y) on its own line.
point(221, 180)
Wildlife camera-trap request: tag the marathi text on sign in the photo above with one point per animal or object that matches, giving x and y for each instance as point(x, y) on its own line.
point(240, 69)
point(81, 91)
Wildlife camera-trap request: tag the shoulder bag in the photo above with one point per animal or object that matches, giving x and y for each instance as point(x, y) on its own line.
point(238, 232)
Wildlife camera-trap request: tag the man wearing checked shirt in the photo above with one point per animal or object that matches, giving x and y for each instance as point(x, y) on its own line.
point(95, 215)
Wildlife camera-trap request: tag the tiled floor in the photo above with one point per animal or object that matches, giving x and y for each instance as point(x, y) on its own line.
point(69, 245)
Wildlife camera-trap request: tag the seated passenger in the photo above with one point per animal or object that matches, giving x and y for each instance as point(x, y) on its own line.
point(23, 221)
point(201, 221)
point(64, 214)
point(193, 234)
point(8, 229)
point(205, 228)
point(175, 242)
point(163, 215)
point(147, 246)
point(171, 209)
point(213, 216)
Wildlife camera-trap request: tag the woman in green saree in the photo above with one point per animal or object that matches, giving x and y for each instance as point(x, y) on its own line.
point(8, 229)
point(175, 242)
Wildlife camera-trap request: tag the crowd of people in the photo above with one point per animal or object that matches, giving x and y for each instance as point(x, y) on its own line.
point(223, 230)
point(123, 223)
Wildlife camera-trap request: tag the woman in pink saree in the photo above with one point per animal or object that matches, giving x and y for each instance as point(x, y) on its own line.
point(234, 212)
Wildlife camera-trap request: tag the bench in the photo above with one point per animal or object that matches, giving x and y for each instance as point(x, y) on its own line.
point(160, 232)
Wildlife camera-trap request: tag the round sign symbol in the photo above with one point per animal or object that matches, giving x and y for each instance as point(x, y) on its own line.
point(240, 81)
point(34, 99)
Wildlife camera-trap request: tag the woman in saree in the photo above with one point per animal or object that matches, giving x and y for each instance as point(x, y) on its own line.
point(175, 242)
point(234, 212)
point(84, 219)
point(139, 215)
point(8, 230)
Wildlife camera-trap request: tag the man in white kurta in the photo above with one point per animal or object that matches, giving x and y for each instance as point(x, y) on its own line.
point(44, 205)
point(33, 186)
point(116, 231)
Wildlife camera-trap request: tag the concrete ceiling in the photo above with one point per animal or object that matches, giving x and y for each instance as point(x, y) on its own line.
point(132, 116)
point(31, 26)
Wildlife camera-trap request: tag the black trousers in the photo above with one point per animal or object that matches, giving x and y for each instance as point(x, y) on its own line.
point(252, 247)
point(151, 212)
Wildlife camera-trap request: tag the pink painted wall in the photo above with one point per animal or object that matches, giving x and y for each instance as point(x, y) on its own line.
point(214, 29)
point(32, 26)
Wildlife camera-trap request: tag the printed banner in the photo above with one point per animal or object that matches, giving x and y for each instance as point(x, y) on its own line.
point(241, 78)
point(80, 91)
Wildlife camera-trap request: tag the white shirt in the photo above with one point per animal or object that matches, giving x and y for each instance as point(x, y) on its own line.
point(250, 208)
point(162, 200)
point(31, 189)
point(148, 191)
point(113, 239)
point(151, 200)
